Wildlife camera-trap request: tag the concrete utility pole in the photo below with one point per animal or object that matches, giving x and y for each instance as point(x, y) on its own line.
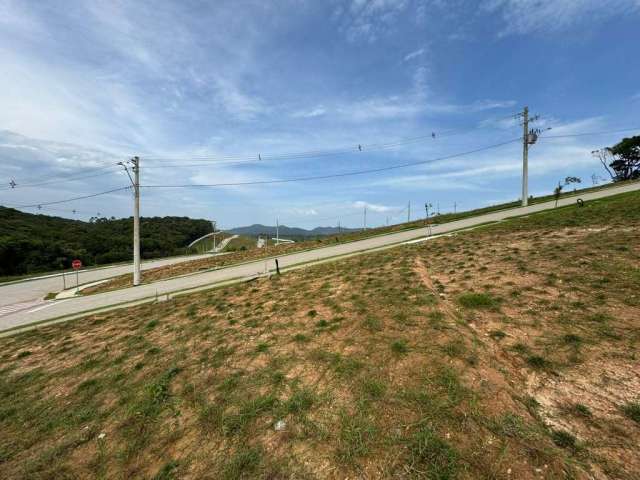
point(409, 211)
point(525, 157)
point(135, 183)
point(277, 232)
point(455, 206)
point(136, 220)
point(365, 218)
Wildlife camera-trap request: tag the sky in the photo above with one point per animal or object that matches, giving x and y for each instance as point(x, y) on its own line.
point(230, 91)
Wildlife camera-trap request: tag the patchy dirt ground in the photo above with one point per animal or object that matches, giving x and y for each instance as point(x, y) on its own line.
point(250, 253)
point(508, 352)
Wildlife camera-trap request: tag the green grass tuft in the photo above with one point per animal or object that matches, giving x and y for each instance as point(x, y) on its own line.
point(399, 347)
point(431, 457)
point(632, 410)
point(477, 300)
point(564, 439)
point(243, 464)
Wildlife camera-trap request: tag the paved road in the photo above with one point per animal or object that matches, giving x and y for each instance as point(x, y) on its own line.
point(223, 244)
point(202, 280)
point(35, 289)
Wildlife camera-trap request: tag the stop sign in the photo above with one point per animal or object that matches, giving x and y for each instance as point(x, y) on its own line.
point(76, 264)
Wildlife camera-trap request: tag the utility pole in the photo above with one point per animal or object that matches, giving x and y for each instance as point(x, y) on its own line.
point(525, 157)
point(136, 220)
point(455, 206)
point(277, 232)
point(339, 227)
point(365, 218)
point(426, 220)
point(135, 183)
point(409, 211)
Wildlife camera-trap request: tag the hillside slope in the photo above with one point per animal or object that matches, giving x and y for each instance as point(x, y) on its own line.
point(505, 352)
point(35, 243)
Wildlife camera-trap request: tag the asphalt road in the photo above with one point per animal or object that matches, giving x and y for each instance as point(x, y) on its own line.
point(75, 306)
point(36, 288)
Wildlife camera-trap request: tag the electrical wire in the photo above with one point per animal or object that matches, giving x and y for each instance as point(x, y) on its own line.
point(586, 134)
point(231, 159)
point(63, 180)
point(308, 154)
point(42, 204)
point(335, 175)
point(63, 210)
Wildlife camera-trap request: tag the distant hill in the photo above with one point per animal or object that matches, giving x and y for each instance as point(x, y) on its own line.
point(287, 232)
point(32, 243)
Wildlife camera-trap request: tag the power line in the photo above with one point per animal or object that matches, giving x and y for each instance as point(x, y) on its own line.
point(42, 204)
point(62, 180)
point(298, 179)
point(586, 134)
point(335, 175)
point(64, 210)
point(231, 159)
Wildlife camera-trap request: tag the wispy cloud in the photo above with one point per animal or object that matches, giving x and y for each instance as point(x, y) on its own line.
point(374, 207)
point(315, 112)
point(236, 103)
point(305, 212)
point(534, 16)
point(414, 54)
point(241, 79)
point(474, 107)
point(368, 20)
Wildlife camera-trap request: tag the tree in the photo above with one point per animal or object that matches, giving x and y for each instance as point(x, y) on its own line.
point(556, 192)
point(567, 181)
point(622, 161)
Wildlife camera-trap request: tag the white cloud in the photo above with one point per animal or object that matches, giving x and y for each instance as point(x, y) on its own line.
point(305, 212)
point(374, 207)
point(535, 16)
point(414, 54)
point(367, 20)
point(379, 108)
point(236, 103)
point(474, 107)
point(315, 112)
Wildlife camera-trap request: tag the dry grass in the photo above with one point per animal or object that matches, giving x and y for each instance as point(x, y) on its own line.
point(507, 352)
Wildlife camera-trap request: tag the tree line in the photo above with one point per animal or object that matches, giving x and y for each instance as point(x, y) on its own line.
point(32, 243)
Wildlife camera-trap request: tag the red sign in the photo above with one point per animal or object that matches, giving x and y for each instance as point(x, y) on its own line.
point(76, 264)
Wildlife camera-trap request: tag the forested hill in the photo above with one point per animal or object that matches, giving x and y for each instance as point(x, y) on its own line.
point(37, 243)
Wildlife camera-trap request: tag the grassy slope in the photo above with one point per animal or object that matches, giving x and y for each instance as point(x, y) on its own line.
point(505, 352)
point(252, 253)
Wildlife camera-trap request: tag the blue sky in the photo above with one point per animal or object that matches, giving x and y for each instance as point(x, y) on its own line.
point(93, 83)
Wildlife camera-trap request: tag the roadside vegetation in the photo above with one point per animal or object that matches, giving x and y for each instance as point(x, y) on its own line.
point(32, 244)
point(505, 352)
